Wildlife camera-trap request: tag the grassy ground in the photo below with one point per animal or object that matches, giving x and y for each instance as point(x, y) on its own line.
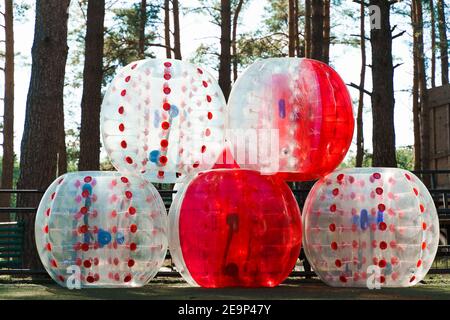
point(434, 287)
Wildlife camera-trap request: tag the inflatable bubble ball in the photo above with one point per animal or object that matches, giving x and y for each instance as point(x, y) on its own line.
point(370, 227)
point(291, 117)
point(101, 229)
point(234, 228)
point(163, 119)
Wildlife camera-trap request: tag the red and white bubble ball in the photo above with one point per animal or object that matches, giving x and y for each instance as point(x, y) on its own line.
point(234, 228)
point(370, 226)
point(163, 119)
point(292, 117)
point(109, 227)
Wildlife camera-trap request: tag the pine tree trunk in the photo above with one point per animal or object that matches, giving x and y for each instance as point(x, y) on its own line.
point(298, 48)
point(44, 113)
point(383, 90)
point(443, 46)
point(326, 31)
point(422, 83)
point(167, 29)
point(415, 93)
point(433, 44)
point(308, 28)
point(291, 26)
point(8, 114)
point(176, 27)
point(317, 41)
point(225, 44)
point(359, 118)
point(234, 39)
point(142, 24)
point(92, 87)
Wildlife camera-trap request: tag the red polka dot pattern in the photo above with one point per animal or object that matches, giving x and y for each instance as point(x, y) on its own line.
point(149, 111)
point(89, 228)
point(381, 218)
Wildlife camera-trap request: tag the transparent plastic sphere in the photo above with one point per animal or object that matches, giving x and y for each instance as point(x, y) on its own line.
point(234, 228)
point(163, 119)
point(101, 229)
point(370, 227)
point(294, 114)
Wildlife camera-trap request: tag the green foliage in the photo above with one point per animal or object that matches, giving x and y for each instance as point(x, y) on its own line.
point(122, 38)
point(405, 159)
point(73, 149)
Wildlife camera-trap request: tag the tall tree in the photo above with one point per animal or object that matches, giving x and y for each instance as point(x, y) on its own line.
point(234, 53)
point(167, 29)
point(292, 33)
point(8, 113)
point(383, 102)
point(298, 47)
point(123, 38)
point(415, 95)
point(433, 43)
point(225, 45)
point(44, 112)
point(326, 31)
point(359, 118)
point(308, 28)
point(176, 31)
point(142, 25)
point(317, 30)
point(417, 13)
point(92, 87)
point(443, 42)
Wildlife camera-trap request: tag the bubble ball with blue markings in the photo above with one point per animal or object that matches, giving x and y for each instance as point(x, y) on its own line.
point(163, 119)
point(370, 227)
point(101, 229)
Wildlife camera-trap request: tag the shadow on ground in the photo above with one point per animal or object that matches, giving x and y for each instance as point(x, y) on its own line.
point(176, 289)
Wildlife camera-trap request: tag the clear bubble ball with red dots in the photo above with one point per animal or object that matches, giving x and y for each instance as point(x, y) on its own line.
point(291, 117)
point(370, 227)
point(101, 229)
point(163, 119)
point(234, 228)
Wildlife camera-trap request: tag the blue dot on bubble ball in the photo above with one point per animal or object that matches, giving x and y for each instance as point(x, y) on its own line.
point(154, 156)
point(120, 238)
point(104, 237)
point(174, 111)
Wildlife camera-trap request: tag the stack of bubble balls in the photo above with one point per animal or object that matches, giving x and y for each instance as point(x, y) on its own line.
point(234, 223)
point(112, 227)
